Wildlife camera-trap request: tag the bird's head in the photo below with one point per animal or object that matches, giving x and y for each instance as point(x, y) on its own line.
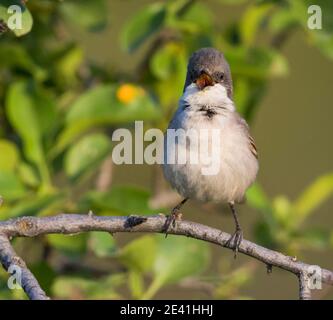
point(208, 67)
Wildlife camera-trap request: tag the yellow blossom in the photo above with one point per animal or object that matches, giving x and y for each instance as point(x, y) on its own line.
point(126, 93)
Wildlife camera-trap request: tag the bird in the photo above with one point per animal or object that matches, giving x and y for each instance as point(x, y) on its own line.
point(207, 103)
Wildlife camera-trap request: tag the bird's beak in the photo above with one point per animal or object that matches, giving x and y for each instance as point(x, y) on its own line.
point(204, 80)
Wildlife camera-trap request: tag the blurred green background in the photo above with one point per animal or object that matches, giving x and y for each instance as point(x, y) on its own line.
point(80, 69)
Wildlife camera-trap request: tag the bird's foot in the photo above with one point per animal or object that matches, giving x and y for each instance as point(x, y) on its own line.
point(171, 219)
point(235, 241)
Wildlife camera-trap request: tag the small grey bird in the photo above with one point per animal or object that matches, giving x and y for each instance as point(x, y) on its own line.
point(207, 103)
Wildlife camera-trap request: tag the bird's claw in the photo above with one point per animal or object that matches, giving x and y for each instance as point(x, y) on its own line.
point(235, 241)
point(171, 220)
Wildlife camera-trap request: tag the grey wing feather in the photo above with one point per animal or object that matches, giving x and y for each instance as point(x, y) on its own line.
point(252, 143)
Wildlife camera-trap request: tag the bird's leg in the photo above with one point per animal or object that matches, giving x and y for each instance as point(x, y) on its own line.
point(236, 239)
point(175, 215)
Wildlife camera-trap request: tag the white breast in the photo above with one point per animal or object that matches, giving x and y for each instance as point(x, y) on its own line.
point(237, 165)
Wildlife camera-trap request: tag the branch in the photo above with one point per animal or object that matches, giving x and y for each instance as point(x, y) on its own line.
point(10, 259)
point(304, 290)
point(77, 223)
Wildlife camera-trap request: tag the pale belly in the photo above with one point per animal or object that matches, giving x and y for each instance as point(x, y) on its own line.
point(236, 171)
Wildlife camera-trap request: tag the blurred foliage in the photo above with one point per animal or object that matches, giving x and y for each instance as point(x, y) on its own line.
point(281, 226)
point(57, 110)
point(233, 280)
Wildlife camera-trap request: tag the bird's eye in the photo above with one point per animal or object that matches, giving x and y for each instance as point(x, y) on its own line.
point(220, 76)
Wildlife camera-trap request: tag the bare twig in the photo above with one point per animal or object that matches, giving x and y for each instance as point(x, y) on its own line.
point(304, 290)
point(77, 223)
point(10, 259)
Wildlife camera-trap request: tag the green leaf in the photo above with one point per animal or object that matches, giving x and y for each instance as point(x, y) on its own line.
point(251, 21)
point(169, 65)
point(278, 66)
point(145, 23)
point(10, 186)
point(23, 117)
point(281, 20)
point(132, 254)
point(264, 234)
point(324, 42)
point(96, 101)
point(299, 9)
point(257, 63)
point(101, 106)
point(136, 284)
point(168, 61)
point(87, 153)
point(67, 66)
point(102, 244)
point(196, 19)
point(121, 200)
point(26, 118)
point(9, 155)
point(314, 238)
point(28, 175)
point(28, 206)
point(313, 196)
point(257, 198)
point(69, 287)
point(199, 15)
point(15, 56)
point(46, 112)
point(16, 16)
point(177, 258)
point(92, 15)
point(242, 93)
point(282, 210)
point(70, 244)
point(45, 275)
point(232, 281)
